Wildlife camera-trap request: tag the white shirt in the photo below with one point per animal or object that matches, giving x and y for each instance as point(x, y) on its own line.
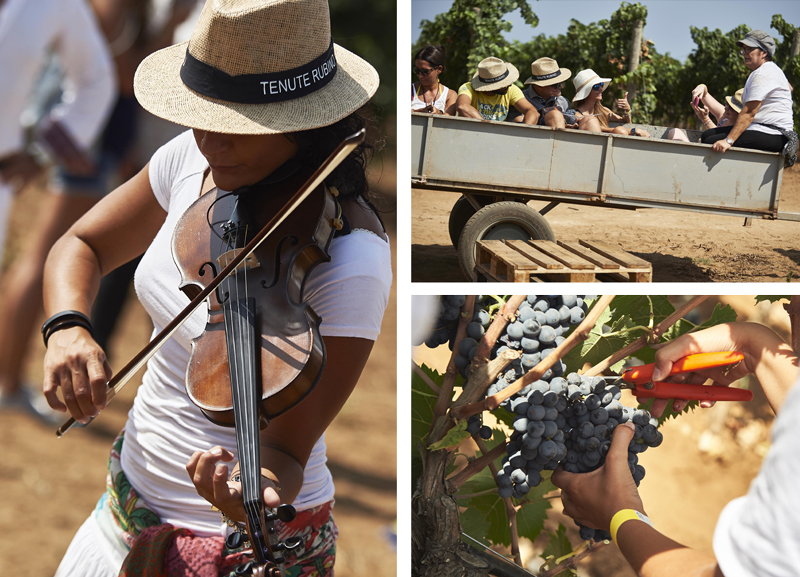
point(759, 534)
point(164, 427)
point(768, 84)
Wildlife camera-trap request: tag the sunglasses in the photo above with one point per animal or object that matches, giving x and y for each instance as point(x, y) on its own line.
point(423, 71)
point(597, 86)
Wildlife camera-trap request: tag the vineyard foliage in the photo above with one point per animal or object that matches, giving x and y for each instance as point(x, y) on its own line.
point(483, 513)
point(472, 30)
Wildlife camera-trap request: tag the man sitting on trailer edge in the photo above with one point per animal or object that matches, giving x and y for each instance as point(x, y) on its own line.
point(544, 93)
point(492, 92)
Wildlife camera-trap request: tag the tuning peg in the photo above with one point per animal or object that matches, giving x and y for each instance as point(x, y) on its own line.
point(234, 540)
point(292, 543)
point(284, 513)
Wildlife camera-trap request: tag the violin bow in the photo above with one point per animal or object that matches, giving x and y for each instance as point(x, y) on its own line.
point(120, 379)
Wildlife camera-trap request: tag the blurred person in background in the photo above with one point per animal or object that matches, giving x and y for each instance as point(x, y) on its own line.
point(429, 95)
point(30, 32)
point(132, 32)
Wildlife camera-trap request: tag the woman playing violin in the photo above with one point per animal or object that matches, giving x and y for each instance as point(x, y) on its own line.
point(262, 87)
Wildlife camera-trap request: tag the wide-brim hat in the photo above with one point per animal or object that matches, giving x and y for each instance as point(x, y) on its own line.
point(494, 74)
point(545, 72)
point(758, 39)
point(256, 67)
point(584, 80)
point(735, 101)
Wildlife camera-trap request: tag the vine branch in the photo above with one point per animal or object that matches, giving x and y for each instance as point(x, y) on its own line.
point(475, 466)
point(581, 333)
point(572, 560)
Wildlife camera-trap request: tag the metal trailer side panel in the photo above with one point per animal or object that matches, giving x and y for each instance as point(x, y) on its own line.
point(619, 170)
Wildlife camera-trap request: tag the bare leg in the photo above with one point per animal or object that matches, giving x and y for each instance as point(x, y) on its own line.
point(21, 305)
point(677, 134)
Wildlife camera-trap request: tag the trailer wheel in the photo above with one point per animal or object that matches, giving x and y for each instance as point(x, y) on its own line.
point(505, 220)
point(461, 212)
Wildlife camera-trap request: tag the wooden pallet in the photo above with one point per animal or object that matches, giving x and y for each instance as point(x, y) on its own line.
point(544, 260)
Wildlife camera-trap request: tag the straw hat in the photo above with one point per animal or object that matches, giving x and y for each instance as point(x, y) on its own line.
point(545, 72)
point(584, 80)
point(735, 101)
point(494, 74)
point(256, 67)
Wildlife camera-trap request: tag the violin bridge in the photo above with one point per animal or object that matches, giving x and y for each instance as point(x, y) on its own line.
point(248, 263)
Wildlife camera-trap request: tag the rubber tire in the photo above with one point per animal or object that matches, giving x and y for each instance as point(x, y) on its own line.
point(461, 212)
point(520, 219)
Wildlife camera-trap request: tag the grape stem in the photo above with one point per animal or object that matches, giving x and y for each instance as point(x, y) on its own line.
point(511, 512)
point(571, 561)
point(426, 379)
point(581, 333)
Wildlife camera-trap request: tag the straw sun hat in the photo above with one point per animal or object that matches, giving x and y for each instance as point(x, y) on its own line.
point(494, 74)
point(735, 101)
point(545, 72)
point(256, 67)
point(584, 80)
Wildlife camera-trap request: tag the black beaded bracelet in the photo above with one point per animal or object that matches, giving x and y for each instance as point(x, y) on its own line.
point(65, 320)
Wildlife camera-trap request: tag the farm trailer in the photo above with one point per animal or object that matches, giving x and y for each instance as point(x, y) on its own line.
point(499, 166)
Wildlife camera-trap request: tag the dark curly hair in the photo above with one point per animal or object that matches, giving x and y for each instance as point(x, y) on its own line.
point(350, 177)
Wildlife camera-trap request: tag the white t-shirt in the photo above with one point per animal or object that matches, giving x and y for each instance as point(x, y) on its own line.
point(759, 534)
point(768, 84)
point(439, 103)
point(164, 427)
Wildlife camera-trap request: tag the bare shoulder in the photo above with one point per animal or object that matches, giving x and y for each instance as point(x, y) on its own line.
point(361, 215)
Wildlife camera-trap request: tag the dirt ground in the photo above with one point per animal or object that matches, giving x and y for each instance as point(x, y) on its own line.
point(50, 485)
point(682, 246)
point(708, 458)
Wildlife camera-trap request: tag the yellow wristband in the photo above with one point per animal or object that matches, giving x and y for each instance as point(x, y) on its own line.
point(626, 515)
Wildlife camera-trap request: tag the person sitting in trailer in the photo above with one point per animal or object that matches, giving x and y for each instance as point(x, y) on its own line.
point(544, 92)
point(429, 95)
point(590, 112)
point(704, 104)
point(765, 122)
point(492, 92)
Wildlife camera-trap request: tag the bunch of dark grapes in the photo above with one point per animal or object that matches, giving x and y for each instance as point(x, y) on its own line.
point(558, 419)
point(447, 322)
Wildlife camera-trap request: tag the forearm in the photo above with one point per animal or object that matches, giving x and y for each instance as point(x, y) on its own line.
point(466, 109)
point(774, 363)
point(742, 123)
point(652, 554)
point(531, 116)
point(71, 276)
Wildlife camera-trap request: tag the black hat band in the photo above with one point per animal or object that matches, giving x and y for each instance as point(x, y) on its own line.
point(259, 88)
point(547, 76)
point(495, 79)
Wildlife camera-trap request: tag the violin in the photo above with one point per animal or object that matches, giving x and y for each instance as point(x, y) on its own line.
point(261, 352)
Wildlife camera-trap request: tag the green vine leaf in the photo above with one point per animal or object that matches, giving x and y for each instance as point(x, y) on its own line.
point(772, 298)
point(454, 437)
point(558, 546)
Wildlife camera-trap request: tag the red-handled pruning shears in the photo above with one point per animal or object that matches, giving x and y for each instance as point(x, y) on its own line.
point(640, 379)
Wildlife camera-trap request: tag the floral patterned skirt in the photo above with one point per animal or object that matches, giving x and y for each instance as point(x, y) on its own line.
point(160, 549)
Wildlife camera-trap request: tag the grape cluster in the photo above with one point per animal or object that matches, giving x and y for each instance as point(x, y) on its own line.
point(447, 323)
point(558, 419)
